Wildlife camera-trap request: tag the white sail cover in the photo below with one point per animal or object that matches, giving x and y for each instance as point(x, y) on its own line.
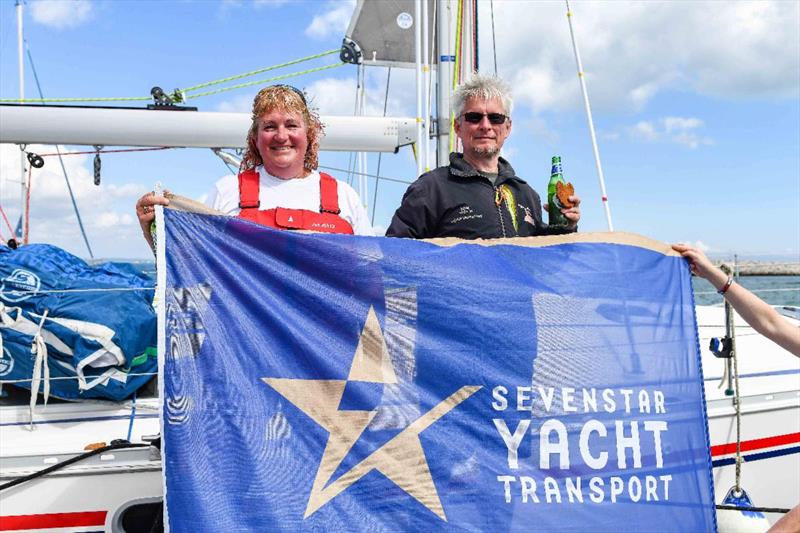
point(109, 126)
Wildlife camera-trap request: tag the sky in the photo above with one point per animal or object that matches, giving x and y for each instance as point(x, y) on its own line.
point(696, 106)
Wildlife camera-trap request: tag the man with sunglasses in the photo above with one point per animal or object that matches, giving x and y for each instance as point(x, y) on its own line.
point(477, 195)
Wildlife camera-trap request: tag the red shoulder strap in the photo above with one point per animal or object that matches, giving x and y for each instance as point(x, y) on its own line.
point(249, 189)
point(328, 194)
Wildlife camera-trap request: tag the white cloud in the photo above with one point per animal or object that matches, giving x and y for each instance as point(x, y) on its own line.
point(239, 104)
point(336, 96)
point(333, 96)
point(634, 50)
point(644, 130)
point(270, 3)
point(127, 190)
point(61, 13)
point(106, 210)
point(332, 22)
point(679, 123)
point(703, 247)
point(537, 85)
point(691, 140)
point(680, 130)
point(110, 219)
point(700, 245)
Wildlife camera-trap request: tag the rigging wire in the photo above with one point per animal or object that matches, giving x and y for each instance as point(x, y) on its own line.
point(27, 223)
point(431, 121)
point(475, 35)
point(380, 154)
point(362, 156)
point(368, 175)
point(353, 157)
point(494, 41)
point(117, 151)
point(791, 289)
point(63, 168)
point(8, 224)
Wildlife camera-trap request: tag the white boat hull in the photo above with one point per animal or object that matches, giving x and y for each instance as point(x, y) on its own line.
point(104, 487)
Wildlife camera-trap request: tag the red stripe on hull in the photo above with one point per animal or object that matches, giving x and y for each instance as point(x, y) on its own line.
point(52, 520)
point(755, 444)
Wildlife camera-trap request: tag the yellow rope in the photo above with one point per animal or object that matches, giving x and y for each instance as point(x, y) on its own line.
point(456, 67)
point(259, 71)
point(276, 78)
point(181, 92)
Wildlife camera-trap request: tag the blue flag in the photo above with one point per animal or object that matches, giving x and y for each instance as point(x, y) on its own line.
point(339, 383)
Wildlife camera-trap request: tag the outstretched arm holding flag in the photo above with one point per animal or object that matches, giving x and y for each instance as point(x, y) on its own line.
point(754, 310)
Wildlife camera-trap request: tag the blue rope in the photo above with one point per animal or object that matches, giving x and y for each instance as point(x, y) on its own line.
point(133, 415)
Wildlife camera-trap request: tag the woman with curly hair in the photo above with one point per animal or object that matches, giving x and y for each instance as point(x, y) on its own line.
point(278, 184)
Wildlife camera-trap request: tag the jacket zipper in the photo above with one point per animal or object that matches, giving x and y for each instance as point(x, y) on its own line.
point(498, 200)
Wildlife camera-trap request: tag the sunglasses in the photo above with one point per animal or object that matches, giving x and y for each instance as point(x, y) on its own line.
point(474, 117)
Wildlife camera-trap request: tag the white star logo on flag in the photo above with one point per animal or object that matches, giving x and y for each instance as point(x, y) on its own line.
point(401, 459)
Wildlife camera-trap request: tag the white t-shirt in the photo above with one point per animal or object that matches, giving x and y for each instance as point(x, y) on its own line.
point(299, 193)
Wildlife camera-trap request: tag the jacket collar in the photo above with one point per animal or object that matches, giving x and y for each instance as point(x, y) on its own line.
point(459, 167)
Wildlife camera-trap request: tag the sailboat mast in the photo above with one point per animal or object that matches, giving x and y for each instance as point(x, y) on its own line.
point(418, 69)
point(426, 88)
point(444, 73)
point(588, 109)
point(21, 75)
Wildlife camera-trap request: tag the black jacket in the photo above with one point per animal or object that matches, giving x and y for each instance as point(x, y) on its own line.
point(456, 201)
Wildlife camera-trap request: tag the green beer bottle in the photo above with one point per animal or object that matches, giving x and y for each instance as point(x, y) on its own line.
point(555, 216)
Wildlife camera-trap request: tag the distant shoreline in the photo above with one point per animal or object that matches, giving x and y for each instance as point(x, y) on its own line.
point(765, 268)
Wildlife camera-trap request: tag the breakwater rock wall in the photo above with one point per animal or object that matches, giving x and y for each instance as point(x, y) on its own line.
point(764, 268)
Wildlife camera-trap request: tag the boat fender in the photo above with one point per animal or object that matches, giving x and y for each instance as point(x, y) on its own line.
point(740, 521)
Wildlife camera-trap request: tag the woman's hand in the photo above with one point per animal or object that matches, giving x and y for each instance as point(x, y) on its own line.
point(146, 213)
point(698, 261)
point(701, 265)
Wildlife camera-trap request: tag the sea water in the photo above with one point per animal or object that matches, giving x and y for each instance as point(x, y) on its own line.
point(775, 290)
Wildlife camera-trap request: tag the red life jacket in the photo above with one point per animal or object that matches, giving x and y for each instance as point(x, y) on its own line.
point(327, 220)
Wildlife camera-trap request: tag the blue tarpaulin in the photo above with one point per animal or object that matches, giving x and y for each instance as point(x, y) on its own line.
point(97, 324)
point(340, 383)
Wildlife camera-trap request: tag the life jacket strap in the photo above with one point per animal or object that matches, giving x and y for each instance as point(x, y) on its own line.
point(249, 189)
point(328, 194)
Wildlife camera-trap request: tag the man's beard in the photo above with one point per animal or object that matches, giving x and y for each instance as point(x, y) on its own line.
point(486, 153)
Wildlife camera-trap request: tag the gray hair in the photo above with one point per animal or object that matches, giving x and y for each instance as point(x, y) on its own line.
point(482, 87)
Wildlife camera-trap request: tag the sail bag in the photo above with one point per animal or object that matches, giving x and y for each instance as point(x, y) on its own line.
point(84, 331)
